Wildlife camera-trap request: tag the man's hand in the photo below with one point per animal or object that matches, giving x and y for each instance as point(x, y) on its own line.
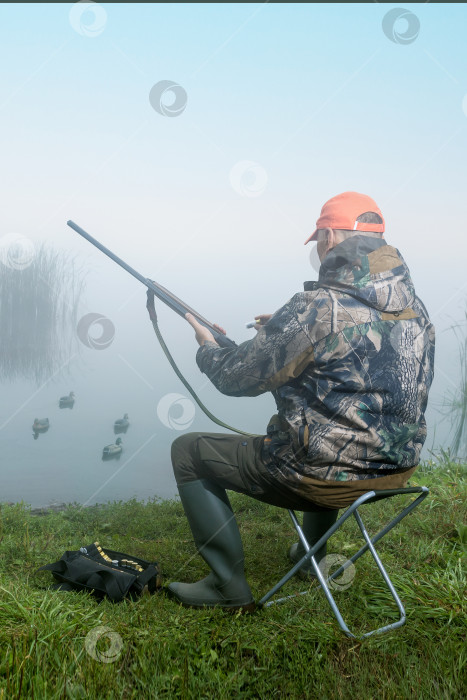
point(203, 334)
point(262, 318)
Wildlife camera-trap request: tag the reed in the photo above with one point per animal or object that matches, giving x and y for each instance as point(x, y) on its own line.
point(455, 402)
point(38, 315)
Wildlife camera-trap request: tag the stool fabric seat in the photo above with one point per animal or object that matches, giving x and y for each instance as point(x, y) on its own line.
point(325, 580)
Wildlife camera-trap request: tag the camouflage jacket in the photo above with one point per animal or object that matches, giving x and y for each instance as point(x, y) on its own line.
point(349, 361)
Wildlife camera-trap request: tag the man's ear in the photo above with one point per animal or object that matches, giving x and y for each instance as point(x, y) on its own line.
point(331, 241)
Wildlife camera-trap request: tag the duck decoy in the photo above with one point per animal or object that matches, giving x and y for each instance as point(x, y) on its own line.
point(40, 425)
point(67, 401)
point(121, 424)
point(112, 450)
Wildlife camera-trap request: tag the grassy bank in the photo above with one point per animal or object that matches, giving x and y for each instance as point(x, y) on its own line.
point(294, 650)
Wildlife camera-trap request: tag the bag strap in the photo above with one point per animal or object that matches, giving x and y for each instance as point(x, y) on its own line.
point(58, 567)
point(109, 581)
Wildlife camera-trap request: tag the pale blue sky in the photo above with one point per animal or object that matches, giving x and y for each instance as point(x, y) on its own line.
point(315, 94)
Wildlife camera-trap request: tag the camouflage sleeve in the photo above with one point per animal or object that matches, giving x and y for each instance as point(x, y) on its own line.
point(280, 351)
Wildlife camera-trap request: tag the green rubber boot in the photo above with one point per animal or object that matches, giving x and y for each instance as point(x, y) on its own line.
point(314, 526)
point(218, 540)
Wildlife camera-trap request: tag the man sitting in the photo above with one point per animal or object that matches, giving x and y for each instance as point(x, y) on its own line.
point(349, 362)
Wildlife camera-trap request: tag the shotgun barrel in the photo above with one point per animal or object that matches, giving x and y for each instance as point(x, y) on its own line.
point(159, 291)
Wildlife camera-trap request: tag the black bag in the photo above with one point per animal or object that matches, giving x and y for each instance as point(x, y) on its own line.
point(105, 573)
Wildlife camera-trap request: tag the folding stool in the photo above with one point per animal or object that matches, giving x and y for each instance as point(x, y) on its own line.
point(365, 499)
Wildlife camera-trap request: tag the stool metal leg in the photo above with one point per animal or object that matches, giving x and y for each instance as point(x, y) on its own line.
point(381, 533)
point(388, 581)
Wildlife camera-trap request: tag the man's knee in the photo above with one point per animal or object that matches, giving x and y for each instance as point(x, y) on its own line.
point(182, 444)
point(183, 456)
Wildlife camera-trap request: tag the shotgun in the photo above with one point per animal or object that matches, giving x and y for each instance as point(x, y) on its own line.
point(160, 292)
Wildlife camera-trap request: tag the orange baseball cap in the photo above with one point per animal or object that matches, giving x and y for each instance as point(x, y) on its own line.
point(342, 212)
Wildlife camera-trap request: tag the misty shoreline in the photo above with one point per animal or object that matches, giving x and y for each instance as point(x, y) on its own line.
point(59, 507)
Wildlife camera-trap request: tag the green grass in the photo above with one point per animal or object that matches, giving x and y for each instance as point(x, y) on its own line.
point(294, 650)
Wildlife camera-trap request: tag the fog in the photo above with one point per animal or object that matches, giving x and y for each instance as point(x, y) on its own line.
point(284, 108)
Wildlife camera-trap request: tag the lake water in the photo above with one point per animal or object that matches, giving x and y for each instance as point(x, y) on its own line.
point(65, 463)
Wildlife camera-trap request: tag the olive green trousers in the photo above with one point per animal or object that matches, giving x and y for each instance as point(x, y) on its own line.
point(235, 463)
